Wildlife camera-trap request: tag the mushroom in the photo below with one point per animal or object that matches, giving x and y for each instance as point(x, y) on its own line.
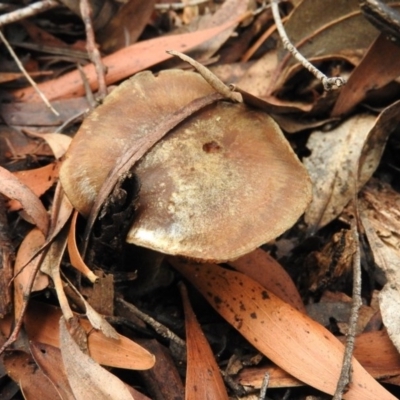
point(217, 186)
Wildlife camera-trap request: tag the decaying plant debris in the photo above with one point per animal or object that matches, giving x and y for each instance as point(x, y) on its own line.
point(136, 192)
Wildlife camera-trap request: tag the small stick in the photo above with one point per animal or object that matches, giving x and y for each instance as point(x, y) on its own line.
point(178, 6)
point(27, 11)
point(92, 50)
point(23, 70)
point(328, 83)
point(157, 326)
point(211, 79)
point(345, 374)
point(264, 387)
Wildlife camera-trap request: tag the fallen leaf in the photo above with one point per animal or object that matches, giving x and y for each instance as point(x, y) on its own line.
point(39, 180)
point(230, 10)
point(58, 142)
point(41, 323)
point(261, 267)
point(87, 378)
point(125, 26)
point(374, 350)
point(49, 360)
point(26, 264)
point(287, 337)
point(203, 378)
point(38, 114)
point(164, 370)
point(343, 160)
point(33, 383)
point(380, 217)
point(13, 188)
point(74, 254)
point(380, 65)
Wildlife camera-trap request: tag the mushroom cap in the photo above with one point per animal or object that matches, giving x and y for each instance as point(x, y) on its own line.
point(128, 113)
point(216, 187)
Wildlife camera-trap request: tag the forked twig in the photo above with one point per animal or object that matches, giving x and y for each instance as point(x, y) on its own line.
point(328, 83)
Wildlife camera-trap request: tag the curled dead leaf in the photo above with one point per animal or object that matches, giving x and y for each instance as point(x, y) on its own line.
point(87, 378)
point(13, 188)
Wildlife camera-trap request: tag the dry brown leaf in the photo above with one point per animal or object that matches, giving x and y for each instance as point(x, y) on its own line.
point(380, 65)
point(126, 25)
point(230, 10)
point(51, 266)
point(58, 142)
point(203, 378)
point(265, 270)
point(39, 180)
point(32, 242)
point(380, 217)
point(60, 213)
point(49, 360)
point(356, 145)
point(164, 370)
point(74, 254)
point(87, 378)
point(287, 337)
point(13, 188)
point(33, 383)
point(374, 350)
point(41, 323)
point(99, 322)
point(38, 114)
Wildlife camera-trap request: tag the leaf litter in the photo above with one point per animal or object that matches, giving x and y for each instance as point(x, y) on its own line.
point(287, 311)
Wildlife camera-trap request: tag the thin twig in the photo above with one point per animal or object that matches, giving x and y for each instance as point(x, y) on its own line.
point(27, 11)
point(23, 70)
point(264, 387)
point(157, 326)
point(211, 79)
point(328, 83)
point(89, 94)
point(345, 375)
point(178, 6)
point(91, 47)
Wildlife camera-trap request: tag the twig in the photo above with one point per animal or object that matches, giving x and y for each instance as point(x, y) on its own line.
point(89, 94)
point(328, 83)
point(23, 70)
point(211, 79)
point(92, 50)
point(75, 118)
point(27, 11)
point(264, 387)
point(157, 326)
point(178, 6)
point(345, 375)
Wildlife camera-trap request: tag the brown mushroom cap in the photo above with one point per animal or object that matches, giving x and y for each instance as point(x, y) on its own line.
point(128, 113)
point(217, 186)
